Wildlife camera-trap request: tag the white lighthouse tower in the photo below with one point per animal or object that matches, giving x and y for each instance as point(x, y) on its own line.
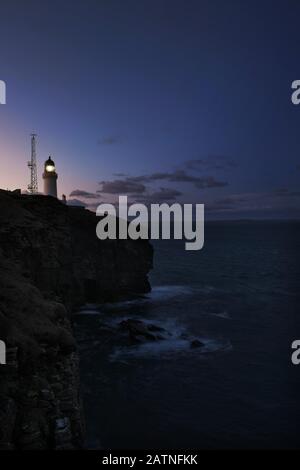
point(50, 177)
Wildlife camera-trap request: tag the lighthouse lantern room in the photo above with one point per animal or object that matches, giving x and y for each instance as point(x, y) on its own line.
point(50, 178)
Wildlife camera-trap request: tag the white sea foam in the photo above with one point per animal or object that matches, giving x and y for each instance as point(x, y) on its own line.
point(224, 315)
point(168, 348)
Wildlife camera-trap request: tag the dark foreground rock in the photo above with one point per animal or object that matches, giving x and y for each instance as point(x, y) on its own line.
point(50, 262)
point(140, 331)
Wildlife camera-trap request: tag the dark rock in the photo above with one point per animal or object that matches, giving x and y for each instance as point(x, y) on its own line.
point(152, 327)
point(50, 262)
point(140, 331)
point(135, 326)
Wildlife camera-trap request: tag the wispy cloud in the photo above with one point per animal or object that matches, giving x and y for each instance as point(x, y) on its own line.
point(163, 195)
point(83, 194)
point(212, 162)
point(141, 186)
point(180, 176)
point(279, 199)
point(109, 140)
point(121, 187)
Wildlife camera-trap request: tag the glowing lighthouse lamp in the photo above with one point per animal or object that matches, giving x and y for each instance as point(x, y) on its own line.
point(50, 178)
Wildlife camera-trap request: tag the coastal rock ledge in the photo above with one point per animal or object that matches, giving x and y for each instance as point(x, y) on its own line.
point(51, 262)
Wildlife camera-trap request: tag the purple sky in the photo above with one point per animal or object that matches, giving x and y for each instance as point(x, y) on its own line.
point(159, 100)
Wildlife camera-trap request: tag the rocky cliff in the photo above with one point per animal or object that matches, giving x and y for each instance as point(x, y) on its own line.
point(50, 262)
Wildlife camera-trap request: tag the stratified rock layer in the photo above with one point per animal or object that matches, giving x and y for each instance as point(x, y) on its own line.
point(51, 261)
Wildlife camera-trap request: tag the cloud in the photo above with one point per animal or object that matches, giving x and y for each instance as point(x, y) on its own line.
point(180, 176)
point(84, 194)
point(277, 200)
point(213, 162)
point(201, 182)
point(121, 187)
point(109, 140)
point(163, 195)
point(139, 185)
point(283, 192)
point(149, 178)
point(210, 182)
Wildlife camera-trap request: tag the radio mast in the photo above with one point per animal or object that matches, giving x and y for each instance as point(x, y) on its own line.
point(33, 186)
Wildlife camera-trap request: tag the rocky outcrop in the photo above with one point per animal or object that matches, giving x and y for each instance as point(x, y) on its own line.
point(50, 262)
point(139, 331)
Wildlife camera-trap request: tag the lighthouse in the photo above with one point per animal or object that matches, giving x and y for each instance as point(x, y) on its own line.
point(50, 177)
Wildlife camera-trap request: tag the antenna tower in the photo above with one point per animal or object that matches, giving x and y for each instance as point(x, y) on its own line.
point(33, 186)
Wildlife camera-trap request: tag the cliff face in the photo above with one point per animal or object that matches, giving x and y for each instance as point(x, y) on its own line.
point(50, 261)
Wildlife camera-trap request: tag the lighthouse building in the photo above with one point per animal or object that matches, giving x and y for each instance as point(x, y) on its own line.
point(50, 178)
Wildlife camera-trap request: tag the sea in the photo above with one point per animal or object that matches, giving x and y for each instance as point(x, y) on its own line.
point(240, 297)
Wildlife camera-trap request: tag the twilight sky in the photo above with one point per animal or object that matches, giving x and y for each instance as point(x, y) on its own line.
point(162, 100)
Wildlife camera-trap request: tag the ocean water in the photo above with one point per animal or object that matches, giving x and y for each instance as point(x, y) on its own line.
point(240, 296)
